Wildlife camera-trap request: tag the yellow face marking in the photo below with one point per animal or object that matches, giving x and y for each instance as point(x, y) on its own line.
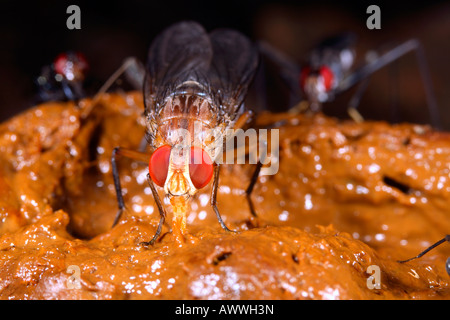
point(179, 205)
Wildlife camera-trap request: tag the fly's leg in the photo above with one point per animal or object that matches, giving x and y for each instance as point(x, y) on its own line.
point(258, 159)
point(214, 197)
point(134, 72)
point(352, 109)
point(288, 69)
point(248, 191)
point(389, 57)
point(131, 154)
point(445, 239)
point(162, 213)
point(261, 159)
point(119, 196)
point(73, 90)
point(243, 119)
point(393, 92)
point(142, 157)
point(301, 107)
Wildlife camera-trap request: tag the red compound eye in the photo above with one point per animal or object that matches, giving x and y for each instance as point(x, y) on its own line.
point(327, 76)
point(200, 167)
point(303, 76)
point(158, 166)
point(60, 63)
point(71, 65)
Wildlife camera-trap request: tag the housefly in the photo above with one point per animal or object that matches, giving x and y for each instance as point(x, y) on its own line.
point(194, 89)
point(64, 78)
point(330, 70)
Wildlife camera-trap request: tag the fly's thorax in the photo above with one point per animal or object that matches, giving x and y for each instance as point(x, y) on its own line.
point(188, 119)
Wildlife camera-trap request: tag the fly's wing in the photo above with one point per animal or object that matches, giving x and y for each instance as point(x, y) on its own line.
point(233, 66)
point(180, 54)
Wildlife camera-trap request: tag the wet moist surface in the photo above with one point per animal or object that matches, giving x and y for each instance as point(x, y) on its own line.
point(347, 196)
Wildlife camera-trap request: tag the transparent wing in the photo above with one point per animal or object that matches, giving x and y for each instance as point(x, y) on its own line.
point(233, 66)
point(179, 54)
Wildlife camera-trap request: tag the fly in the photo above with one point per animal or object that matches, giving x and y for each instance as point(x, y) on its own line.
point(63, 79)
point(330, 70)
point(194, 88)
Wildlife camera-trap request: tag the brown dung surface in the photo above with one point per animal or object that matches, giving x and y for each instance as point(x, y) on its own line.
point(347, 196)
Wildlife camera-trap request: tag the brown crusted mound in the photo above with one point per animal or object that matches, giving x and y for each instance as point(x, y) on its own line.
point(384, 189)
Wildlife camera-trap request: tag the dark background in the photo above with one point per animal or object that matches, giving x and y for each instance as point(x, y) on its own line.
point(33, 33)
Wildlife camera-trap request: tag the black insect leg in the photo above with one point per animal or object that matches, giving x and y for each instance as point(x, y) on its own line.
point(139, 156)
point(135, 155)
point(393, 92)
point(446, 238)
point(134, 72)
point(161, 212)
point(250, 187)
point(426, 79)
point(214, 197)
point(352, 109)
point(73, 90)
point(259, 160)
point(387, 58)
point(289, 71)
point(262, 157)
point(117, 186)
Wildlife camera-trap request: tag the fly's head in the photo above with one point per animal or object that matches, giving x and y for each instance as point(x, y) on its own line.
point(181, 169)
point(187, 139)
point(72, 66)
point(317, 83)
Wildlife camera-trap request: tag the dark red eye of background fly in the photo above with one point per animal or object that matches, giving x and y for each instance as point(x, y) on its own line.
point(327, 76)
point(71, 60)
point(303, 76)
